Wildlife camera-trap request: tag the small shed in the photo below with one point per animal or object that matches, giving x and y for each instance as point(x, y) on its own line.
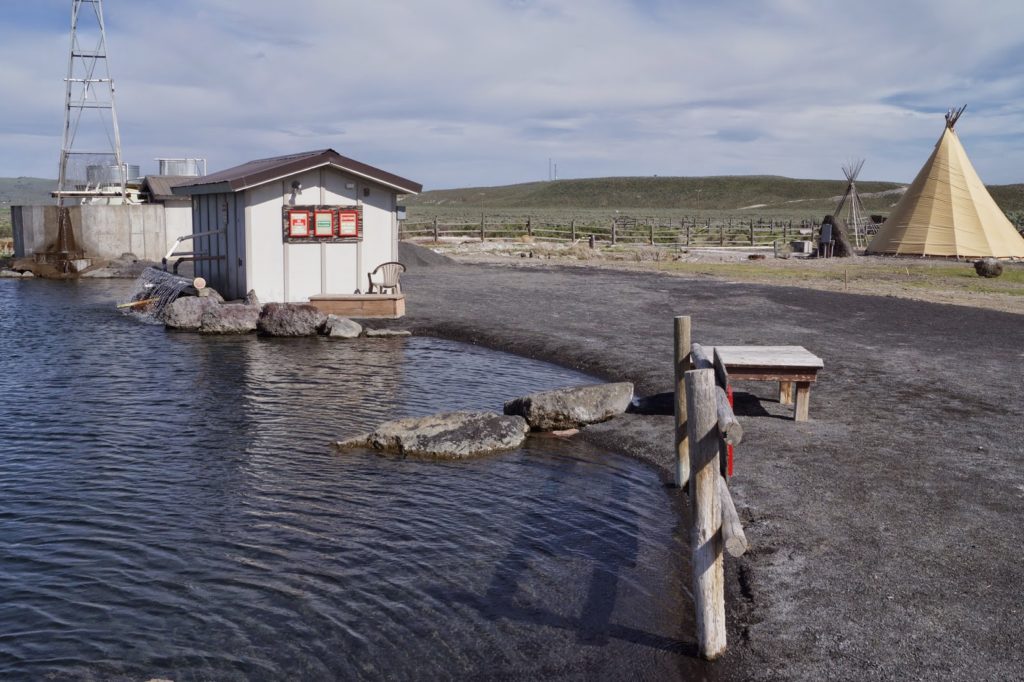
point(294, 227)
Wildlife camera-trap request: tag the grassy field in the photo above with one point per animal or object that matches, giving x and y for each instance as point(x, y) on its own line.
point(721, 197)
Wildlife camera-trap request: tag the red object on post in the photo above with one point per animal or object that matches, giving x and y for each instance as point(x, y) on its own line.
point(728, 392)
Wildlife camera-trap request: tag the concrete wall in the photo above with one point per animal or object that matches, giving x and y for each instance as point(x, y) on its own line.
point(104, 232)
point(283, 272)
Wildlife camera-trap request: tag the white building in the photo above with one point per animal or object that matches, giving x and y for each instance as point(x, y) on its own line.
point(294, 227)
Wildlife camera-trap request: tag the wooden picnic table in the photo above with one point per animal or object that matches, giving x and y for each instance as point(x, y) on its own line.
point(789, 365)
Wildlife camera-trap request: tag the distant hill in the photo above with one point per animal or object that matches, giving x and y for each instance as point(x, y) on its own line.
point(20, 191)
point(718, 193)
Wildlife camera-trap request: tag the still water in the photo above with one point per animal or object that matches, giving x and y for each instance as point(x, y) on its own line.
point(170, 507)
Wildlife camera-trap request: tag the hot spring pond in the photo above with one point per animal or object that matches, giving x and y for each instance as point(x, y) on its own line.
point(170, 507)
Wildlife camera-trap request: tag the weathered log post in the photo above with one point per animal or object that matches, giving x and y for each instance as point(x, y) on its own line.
point(682, 365)
point(734, 538)
point(721, 234)
point(751, 233)
point(483, 222)
point(572, 226)
point(705, 536)
point(687, 232)
point(651, 222)
point(529, 226)
point(614, 233)
point(435, 230)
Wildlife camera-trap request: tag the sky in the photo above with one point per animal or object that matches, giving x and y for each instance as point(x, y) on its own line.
point(458, 93)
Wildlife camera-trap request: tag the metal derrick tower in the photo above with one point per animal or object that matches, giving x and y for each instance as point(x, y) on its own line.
point(89, 92)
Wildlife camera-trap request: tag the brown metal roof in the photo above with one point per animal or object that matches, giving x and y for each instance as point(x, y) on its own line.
point(262, 171)
point(159, 186)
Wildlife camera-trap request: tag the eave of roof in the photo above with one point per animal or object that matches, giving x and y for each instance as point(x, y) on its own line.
point(262, 171)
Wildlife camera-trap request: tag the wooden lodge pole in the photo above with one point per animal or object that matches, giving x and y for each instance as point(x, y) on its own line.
point(705, 535)
point(682, 365)
point(732, 530)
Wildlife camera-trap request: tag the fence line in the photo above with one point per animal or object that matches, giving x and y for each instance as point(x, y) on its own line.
point(683, 231)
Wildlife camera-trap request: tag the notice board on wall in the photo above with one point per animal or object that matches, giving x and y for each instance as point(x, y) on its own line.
point(330, 224)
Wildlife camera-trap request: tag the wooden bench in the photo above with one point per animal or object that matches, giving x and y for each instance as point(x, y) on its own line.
point(789, 365)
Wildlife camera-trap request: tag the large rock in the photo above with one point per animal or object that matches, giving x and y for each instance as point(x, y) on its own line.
point(342, 327)
point(186, 312)
point(453, 435)
point(290, 319)
point(988, 267)
point(567, 408)
point(229, 318)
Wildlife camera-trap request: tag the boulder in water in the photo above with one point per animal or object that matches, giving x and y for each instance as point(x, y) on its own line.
point(568, 408)
point(342, 327)
point(186, 312)
point(290, 319)
point(229, 318)
point(453, 435)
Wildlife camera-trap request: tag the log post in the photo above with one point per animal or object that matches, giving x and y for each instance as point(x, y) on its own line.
point(705, 536)
point(652, 233)
point(687, 232)
point(483, 220)
point(614, 233)
point(435, 230)
point(721, 234)
point(529, 226)
point(682, 365)
point(751, 234)
point(572, 225)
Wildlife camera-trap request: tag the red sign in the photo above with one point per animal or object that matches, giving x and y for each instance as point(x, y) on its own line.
point(348, 223)
point(298, 223)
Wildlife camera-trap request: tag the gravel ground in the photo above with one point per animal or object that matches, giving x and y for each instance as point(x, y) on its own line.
point(883, 531)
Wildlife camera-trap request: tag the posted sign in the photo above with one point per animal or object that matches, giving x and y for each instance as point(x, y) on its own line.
point(323, 225)
point(348, 224)
point(298, 223)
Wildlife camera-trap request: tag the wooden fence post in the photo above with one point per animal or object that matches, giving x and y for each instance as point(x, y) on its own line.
point(751, 234)
point(682, 365)
point(435, 230)
point(614, 233)
point(721, 234)
point(529, 226)
point(687, 232)
point(652, 232)
point(482, 228)
point(706, 535)
point(572, 225)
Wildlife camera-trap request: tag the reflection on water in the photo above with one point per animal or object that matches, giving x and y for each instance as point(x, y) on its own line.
point(169, 506)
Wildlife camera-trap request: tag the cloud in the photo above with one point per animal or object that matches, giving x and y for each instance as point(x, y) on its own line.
point(476, 92)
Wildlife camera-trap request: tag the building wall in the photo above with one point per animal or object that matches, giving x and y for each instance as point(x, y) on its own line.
point(293, 272)
point(104, 232)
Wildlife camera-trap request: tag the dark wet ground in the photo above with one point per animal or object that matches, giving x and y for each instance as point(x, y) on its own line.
point(885, 532)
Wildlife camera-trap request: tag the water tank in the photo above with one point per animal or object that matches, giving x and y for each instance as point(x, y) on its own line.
point(189, 167)
point(109, 175)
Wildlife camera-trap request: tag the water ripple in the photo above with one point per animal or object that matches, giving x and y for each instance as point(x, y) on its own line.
point(169, 506)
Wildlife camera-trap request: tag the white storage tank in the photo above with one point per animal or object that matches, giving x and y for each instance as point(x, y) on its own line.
point(183, 167)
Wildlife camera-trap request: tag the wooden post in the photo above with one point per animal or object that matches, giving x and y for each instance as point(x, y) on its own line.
point(614, 235)
point(435, 229)
point(573, 226)
point(751, 234)
point(482, 223)
point(785, 231)
point(785, 393)
point(682, 365)
point(529, 226)
point(721, 234)
point(705, 536)
point(687, 232)
point(652, 233)
point(803, 401)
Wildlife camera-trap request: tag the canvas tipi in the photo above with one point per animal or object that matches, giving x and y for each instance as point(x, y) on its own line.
point(947, 211)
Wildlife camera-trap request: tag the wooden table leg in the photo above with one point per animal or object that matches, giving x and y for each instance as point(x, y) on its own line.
point(803, 401)
point(785, 393)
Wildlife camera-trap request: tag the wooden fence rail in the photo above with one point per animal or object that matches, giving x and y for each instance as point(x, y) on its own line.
point(705, 425)
point(686, 231)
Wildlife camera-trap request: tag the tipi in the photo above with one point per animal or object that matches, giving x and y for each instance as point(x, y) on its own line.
point(947, 211)
point(851, 201)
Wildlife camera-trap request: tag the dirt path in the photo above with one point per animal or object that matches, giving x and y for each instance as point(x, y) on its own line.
point(885, 530)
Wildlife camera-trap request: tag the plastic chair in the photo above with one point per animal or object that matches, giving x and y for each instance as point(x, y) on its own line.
point(386, 276)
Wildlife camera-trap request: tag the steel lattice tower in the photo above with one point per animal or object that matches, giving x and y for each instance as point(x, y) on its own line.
point(89, 88)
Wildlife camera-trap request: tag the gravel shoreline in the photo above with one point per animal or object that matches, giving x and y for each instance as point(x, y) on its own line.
point(883, 529)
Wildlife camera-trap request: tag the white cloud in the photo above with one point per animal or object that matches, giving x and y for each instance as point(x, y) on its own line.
point(471, 92)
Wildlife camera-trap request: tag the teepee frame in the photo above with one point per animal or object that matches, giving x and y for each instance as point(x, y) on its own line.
point(852, 203)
